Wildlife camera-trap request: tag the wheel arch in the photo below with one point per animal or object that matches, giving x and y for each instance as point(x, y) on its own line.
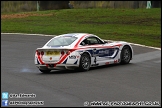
point(130, 48)
point(81, 68)
point(86, 52)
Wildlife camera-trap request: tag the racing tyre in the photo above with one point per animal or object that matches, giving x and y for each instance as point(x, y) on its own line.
point(125, 55)
point(85, 62)
point(45, 71)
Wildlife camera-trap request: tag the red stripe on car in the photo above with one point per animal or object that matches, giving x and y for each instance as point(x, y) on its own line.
point(65, 56)
point(40, 59)
point(76, 45)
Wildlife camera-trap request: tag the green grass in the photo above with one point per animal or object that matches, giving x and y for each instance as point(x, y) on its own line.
point(141, 26)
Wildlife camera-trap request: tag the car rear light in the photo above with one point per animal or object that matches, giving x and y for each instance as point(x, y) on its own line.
point(42, 53)
point(38, 53)
point(68, 52)
point(62, 52)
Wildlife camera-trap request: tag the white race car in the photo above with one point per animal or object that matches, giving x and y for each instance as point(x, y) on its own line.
point(81, 51)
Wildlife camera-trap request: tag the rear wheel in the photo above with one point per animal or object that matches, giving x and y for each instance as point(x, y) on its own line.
point(85, 62)
point(45, 71)
point(125, 55)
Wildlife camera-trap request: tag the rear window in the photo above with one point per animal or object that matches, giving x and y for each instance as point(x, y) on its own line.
point(62, 41)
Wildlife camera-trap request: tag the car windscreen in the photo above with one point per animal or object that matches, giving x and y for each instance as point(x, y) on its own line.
point(62, 41)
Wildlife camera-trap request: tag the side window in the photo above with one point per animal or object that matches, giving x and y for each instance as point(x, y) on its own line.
point(94, 40)
point(85, 42)
point(91, 41)
point(99, 41)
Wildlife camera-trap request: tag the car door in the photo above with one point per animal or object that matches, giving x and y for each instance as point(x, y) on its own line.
point(101, 51)
point(95, 45)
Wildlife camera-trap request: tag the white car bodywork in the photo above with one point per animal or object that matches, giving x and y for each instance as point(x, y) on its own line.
point(68, 56)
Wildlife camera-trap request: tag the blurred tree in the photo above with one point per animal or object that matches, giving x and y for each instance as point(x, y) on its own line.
point(114, 4)
point(50, 5)
point(156, 4)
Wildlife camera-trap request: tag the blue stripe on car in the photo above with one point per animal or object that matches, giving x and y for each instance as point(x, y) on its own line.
point(76, 62)
point(103, 53)
point(38, 61)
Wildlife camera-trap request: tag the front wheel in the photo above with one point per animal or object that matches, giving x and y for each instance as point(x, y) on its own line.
point(85, 62)
point(45, 71)
point(125, 55)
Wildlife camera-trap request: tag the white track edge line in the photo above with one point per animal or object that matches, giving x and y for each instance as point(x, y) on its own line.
point(107, 40)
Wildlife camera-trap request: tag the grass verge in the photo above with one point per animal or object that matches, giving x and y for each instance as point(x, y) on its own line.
point(141, 26)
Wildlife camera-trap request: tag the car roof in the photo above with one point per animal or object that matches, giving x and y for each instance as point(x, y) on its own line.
point(75, 34)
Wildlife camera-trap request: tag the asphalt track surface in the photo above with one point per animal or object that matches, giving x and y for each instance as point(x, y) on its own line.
point(139, 81)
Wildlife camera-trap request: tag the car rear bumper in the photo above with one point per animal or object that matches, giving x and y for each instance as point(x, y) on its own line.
point(57, 67)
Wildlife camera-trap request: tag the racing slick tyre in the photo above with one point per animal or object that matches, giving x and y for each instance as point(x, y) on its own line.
point(45, 71)
point(125, 55)
point(85, 62)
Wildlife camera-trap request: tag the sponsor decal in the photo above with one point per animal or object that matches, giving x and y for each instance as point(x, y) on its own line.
point(72, 57)
point(103, 52)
